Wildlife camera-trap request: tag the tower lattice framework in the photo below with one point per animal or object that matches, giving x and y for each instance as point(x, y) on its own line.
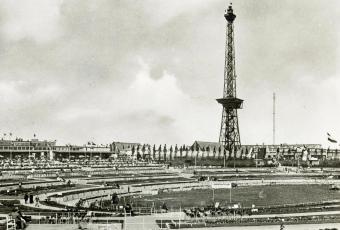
point(229, 132)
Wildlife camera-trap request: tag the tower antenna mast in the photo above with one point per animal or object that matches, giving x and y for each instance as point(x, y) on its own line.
point(274, 118)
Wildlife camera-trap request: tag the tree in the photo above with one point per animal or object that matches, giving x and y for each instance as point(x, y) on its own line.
point(159, 152)
point(176, 150)
point(154, 152)
point(186, 152)
point(171, 150)
point(143, 151)
point(164, 152)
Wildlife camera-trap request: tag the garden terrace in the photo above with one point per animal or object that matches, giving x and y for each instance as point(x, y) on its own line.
point(166, 183)
point(37, 168)
point(55, 187)
point(9, 180)
point(111, 175)
point(144, 180)
point(29, 184)
point(125, 171)
point(4, 177)
point(62, 194)
point(125, 168)
point(117, 175)
point(65, 197)
point(9, 205)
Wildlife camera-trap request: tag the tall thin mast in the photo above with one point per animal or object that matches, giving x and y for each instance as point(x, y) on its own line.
point(274, 118)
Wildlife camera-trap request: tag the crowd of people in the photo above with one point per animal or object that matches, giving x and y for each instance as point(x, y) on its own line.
point(211, 211)
point(28, 198)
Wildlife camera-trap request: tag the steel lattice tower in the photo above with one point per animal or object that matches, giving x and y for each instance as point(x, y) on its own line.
point(229, 132)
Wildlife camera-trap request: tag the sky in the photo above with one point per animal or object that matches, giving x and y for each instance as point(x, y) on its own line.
point(149, 71)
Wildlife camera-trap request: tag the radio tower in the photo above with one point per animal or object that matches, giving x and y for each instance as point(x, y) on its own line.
point(229, 132)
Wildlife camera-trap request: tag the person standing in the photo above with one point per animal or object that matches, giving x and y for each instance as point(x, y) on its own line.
point(37, 201)
point(19, 219)
point(26, 198)
point(101, 203)
point(31, 199)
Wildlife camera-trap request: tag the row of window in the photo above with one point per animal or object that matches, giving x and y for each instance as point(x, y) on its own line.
point(19, 148)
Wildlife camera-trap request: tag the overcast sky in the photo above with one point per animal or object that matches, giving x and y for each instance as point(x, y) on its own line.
point(150, 71)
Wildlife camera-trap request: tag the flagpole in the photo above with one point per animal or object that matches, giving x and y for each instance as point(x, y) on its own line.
point(333, 142)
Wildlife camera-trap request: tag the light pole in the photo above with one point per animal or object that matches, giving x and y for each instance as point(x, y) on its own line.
point(29, 149)
point(213, 190)
point(224, 157)
point(195, 160)
point(256, 157)
point(234, 155)
point(10, 152)
point(179, 217)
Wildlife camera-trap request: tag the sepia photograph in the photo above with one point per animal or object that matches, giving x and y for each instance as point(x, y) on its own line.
point(170, 114)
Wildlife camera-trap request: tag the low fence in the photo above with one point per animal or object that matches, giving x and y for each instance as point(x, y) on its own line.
point(85, 220)
point(253, 221)
point(286, 182)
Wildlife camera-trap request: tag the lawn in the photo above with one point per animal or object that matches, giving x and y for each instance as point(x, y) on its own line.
point(143, 181)
point(258, 195)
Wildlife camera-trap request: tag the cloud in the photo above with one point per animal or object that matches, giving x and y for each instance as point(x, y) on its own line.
point(36, 20)
point(163, 12)
point(8, 90)
point(157, 110)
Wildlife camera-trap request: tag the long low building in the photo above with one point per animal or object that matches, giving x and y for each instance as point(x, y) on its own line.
point(305, 152)
point(203, 145)
point(35, 148)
